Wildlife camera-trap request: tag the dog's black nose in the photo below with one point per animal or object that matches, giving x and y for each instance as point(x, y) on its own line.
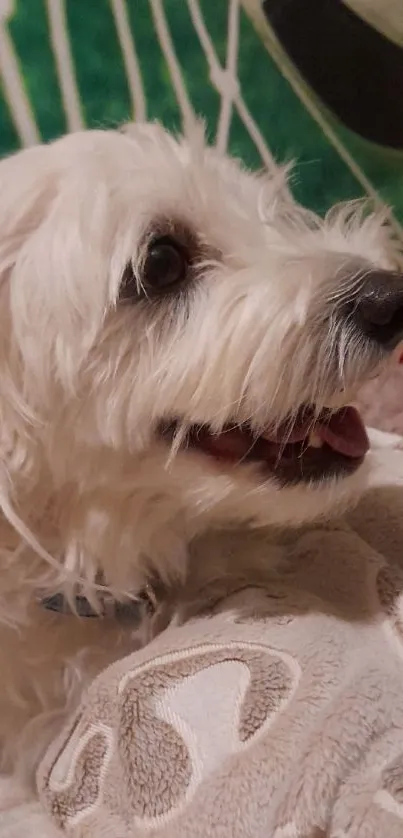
point(378, 307)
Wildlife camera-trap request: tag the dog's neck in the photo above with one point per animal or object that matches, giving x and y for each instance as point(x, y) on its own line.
point(101, 514)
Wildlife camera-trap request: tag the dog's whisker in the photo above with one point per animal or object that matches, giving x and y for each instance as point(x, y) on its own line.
point(178, 441)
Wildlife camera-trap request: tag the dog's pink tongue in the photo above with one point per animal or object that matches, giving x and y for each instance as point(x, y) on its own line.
point(345, 433)
point(295, 433)
point(232, 445)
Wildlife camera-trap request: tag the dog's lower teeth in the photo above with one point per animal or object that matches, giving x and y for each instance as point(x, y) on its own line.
point(314, 440)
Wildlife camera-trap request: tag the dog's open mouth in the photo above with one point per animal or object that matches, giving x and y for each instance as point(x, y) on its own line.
point(311, 447)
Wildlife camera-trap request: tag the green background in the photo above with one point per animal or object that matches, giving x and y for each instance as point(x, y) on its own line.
point(320, 177)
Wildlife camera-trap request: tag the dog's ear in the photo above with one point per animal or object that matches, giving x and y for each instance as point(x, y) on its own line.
point(27, 184)
point(56, 229)
point(27, 187)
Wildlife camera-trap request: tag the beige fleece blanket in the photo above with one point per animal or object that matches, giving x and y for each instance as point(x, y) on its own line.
point(278, 715)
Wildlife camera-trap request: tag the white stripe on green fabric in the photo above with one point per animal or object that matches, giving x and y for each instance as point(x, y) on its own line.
point(228, 85)
point(60, 41)
point(178, 82)
point(131, 61)
point(224, 121)
point(12, 82)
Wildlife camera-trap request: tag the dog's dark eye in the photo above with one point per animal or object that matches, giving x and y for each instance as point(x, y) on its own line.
point(164, 268)
point(165, 265)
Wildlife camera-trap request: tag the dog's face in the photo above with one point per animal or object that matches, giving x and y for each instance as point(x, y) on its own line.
point(171, 312)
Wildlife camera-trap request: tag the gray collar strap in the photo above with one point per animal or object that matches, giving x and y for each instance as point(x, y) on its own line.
point(128, 610)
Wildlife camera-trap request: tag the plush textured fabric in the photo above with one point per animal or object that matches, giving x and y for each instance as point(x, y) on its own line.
point(278, 714)
point(21, 815)
point(381, 401)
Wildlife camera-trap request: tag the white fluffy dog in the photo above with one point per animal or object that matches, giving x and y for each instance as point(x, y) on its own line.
point(179, 344)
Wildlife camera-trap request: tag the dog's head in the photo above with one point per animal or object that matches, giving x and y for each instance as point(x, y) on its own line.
point(165, 310)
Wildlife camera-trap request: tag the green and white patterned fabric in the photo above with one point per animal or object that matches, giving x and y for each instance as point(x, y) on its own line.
point(69, 64)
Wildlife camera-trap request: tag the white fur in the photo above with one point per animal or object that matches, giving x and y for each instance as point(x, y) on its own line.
point(86, 486)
